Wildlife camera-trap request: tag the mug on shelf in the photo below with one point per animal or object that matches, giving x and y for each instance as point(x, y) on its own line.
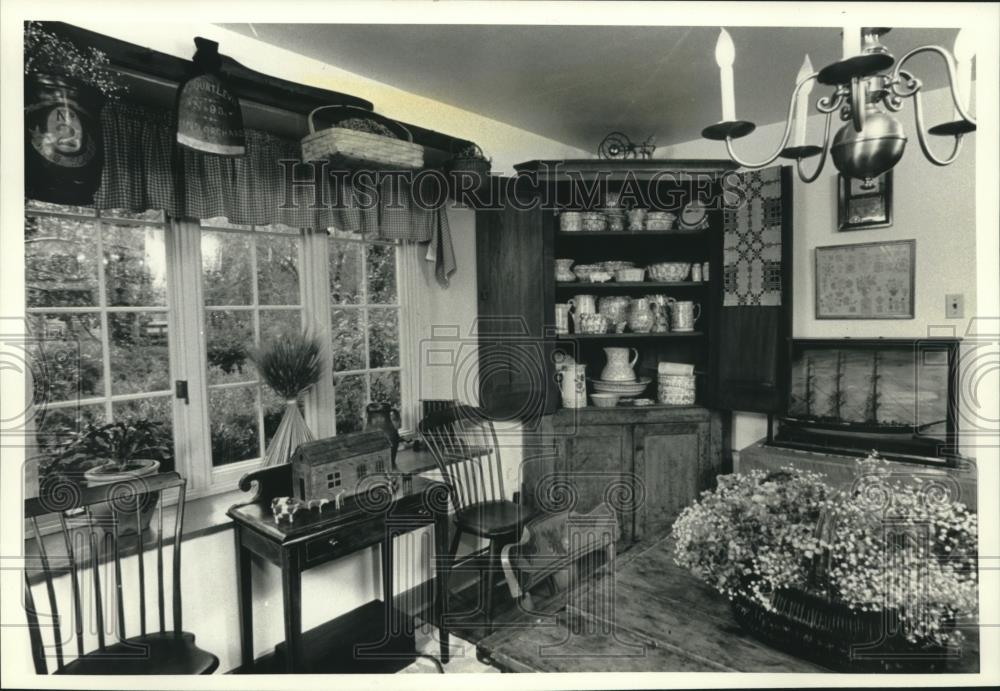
point(683, 315)
point(562, 318)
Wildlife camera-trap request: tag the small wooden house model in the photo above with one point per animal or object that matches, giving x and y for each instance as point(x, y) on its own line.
point(336, 466)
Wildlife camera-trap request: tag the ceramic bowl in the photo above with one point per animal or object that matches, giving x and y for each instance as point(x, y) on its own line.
point(599, 276)
point(630, 275)
point(604, 400)
point(616, 264)
point(570, 221)
point(669, 272)
point(583, 271)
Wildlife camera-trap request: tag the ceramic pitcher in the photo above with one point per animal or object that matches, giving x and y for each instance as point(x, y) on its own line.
point(582, 304)
point(573, 385)
point(640, 317)
point(620, 366)
point(683, 315)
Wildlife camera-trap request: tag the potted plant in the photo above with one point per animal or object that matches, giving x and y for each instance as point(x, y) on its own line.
point(119, 451)
point(65, 87)
point(290, 364)
point(870, 579)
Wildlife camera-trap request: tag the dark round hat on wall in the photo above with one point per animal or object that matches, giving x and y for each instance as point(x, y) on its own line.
point(209, 118)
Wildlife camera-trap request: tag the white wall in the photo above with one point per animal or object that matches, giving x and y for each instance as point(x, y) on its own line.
point(935, 206)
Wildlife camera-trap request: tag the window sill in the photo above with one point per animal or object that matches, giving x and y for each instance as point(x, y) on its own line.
point(202, 516)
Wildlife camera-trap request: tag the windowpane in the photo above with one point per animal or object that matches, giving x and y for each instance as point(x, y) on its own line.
point(345, 273)
point(34, 204)
point(60, 257)
point(135, 266)
point(70, 363)
point(222, 222)
point(140, 355)
point(156, 409)
point(234, 428)
point(382, 275)
point(351, 401)
point(147, 215)
point(226, 268)
point(56, 426)
point(278, 270)
point(348, 340)
point(275, 323)
point(228, 337)
point(385, 388)
point(383, 337)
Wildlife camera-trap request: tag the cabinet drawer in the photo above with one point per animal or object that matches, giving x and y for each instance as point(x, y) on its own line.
point(346, 540)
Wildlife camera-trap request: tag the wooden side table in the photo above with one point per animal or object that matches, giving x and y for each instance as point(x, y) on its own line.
point(315, 538)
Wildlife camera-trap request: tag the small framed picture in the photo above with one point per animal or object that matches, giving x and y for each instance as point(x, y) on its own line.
point(861, 208)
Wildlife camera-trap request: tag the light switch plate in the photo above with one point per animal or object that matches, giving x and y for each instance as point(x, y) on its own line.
point(954, 306)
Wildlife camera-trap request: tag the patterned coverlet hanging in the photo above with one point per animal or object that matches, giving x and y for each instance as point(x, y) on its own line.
point(751, 251)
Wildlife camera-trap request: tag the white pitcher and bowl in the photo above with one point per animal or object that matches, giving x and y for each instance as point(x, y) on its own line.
point(620, 367)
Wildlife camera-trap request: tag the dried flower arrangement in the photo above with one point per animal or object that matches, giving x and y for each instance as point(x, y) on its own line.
point(902, 548)
point(290, 364)
point(46, 53)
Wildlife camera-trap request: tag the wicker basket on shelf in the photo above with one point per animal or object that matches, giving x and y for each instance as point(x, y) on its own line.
point(353, 147)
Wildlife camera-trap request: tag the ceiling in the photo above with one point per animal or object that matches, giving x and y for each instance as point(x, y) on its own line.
point(574, 84)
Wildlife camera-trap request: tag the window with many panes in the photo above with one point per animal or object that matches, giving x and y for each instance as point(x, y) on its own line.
point(251, 289)
point(123, 304)
point(364, 314)
point(98, 314)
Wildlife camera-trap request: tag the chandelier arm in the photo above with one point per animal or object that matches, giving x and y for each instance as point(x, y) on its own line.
point(784, 137)
point(918, 116)
point(914, 84)
point(822, 159)
point(857, 104)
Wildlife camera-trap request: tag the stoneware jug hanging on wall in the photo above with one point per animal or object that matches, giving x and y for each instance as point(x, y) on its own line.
point(63, 152)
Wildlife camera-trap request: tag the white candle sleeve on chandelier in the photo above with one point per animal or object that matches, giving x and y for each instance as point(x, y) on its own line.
point(725, 54)
point(802, 101)
point(851, 41)
point(964, 53)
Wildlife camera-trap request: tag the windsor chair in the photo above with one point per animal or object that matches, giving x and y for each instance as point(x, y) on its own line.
point(463, 441)
point(92, 544)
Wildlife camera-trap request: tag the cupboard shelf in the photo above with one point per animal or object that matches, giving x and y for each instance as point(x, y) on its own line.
point(628, 233)
point(611, 286)
point(629, 336)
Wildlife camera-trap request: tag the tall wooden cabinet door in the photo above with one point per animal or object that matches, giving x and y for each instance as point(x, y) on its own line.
point(752, 303)
point(673, 463)
point(514, 275)
point(596, 463)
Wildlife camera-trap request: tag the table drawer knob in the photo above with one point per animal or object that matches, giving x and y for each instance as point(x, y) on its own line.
point(333, 541)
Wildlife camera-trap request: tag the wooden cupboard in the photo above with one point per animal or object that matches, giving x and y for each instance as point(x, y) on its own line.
point(647, 463)
point(667, 453)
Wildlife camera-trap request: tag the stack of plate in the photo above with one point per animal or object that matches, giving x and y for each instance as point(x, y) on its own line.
point(622, 388)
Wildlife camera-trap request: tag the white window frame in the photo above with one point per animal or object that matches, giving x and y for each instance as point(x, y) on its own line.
point(363, 307)
point(103, 309)
point(185, 312)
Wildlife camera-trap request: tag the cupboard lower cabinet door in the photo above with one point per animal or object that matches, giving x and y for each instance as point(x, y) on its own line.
point(672, 463)
point(594, 466)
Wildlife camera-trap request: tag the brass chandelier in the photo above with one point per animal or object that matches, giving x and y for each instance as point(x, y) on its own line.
point(866, 94)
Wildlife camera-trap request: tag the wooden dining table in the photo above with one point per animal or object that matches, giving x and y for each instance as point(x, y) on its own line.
point(650, 615)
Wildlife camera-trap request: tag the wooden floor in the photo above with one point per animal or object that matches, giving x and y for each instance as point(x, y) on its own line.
point(662, 620)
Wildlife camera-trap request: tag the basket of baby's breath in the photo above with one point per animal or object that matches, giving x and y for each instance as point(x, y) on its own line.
point(873, 579)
